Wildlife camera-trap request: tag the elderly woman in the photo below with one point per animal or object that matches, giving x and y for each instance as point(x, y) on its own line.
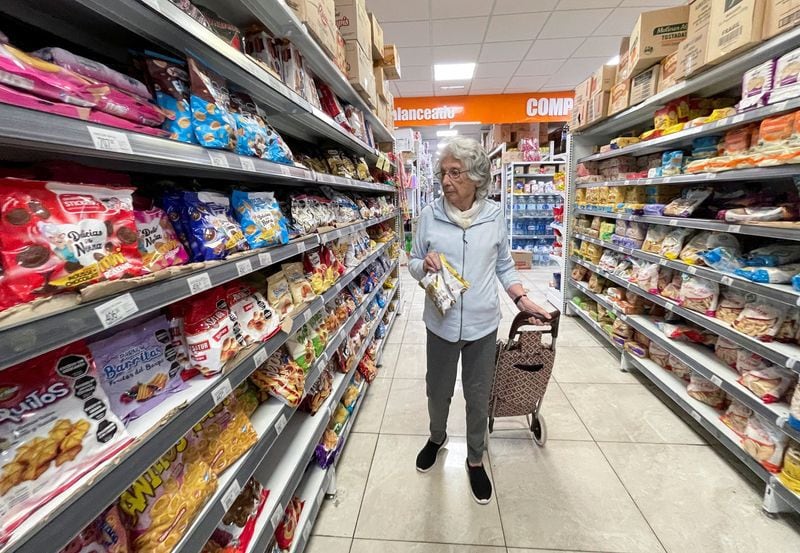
point(470, 231)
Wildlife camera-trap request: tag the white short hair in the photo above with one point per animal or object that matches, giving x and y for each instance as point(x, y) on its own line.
point(474, 158)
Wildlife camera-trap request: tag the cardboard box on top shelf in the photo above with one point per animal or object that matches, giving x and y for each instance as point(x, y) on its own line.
point(623, 72)
point(645, 84)
point(368, 94)
point(523, 259)
point(380, 81)
point(734, 28)
point(656, 34)
point(340, 56)
point(668, 73)
point(352, 21)
point(390, 110)
point(320, 19)
point(500, 134)
point(359, 67)
point(780, 16)
point(376, 38)
point(582, 92)
point(578, 116)
point(391, 62)
point(602, 79)
point(693, 52)
point(620, 97)
point(597, 108)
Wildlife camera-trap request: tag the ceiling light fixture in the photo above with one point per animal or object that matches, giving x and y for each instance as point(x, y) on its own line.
point(452, 87)
point(453, 71)
point(613, 61)
point(440, 134)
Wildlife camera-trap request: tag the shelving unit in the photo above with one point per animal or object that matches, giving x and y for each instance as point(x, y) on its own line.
point(700, 359)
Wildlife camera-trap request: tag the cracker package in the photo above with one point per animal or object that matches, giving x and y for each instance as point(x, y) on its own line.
point(138, 367)
point(300, 288)
point(731, 304)
point(59, 236)
point(250, 310)
point(56, 426)
point(705, 391)
point(211, 335)
point(736, 417)
point(444, 287)
point(764, 443)
point(214, 126)
point(212, 225)
point(760, 319)
point(699, 294)
point(278, 294)
point(727, 351)
point(170, 81)
point(281, 378)
point(770, 384)
point(161, 504)
point(261, 218)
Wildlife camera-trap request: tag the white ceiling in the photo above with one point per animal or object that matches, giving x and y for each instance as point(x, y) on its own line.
point(518, 45)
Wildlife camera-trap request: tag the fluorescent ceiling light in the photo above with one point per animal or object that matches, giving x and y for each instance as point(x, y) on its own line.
point(452, 87)
point(453, 71)
point(440, 145)
point(446, 133)
point(613, 61)
point(455, 123)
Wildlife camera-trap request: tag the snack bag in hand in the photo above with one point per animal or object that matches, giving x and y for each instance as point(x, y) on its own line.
point(444, 286)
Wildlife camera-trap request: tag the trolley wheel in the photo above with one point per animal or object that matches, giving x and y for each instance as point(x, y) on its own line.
point(539, 430)
point(491, 425)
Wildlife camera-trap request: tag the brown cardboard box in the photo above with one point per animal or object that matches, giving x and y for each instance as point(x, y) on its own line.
point(578, 116)
point(340, 55)
point(693, 52)
point(623, 67)
point(602, 80)
point(380, 82)
point(780, 16)
point(645, 84)
point(523, 259)
point(656, 34)
point(320, 19)
point(669, 72)
point(582, 92)
point(598, 107)
point(391, 62)
point(376, 38)
point(500, 134)
point(620, 97)
point(352, 21)
point(390, 110)
point(734, 27)
point(359, 68)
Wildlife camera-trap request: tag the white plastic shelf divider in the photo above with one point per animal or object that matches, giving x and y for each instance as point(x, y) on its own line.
point(783, 293)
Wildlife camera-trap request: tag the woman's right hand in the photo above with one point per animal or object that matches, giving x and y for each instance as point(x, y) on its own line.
point(432, 263)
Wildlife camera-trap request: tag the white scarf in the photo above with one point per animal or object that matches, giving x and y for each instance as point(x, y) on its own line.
point(462, 218)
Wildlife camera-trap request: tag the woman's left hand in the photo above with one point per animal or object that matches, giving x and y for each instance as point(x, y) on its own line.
point(527, 305)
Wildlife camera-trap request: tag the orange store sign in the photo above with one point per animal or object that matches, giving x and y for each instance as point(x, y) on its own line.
point(535, 107)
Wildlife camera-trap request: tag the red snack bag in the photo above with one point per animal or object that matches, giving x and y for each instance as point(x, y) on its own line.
point(284, 534)
point(59, 236)
point(331, 105)
point(56, 426)
point(212, 336)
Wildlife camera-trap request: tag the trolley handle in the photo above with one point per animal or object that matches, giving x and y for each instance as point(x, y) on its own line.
point(524, 319)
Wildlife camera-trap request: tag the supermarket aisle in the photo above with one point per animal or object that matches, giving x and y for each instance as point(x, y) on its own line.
point(620, 472)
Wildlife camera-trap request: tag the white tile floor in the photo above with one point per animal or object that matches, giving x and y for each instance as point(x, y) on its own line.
point(620, 472)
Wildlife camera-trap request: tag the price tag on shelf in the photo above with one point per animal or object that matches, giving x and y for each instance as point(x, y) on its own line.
point(222, 391)
point(791, 362)
point(667, 179)
point(247, 164)
point(330, 409)
point(264, 259)
point(648, 181)
point(260, 357)
point(323, 359)
point(230, 495)
point(301, 247)
point(244, 267)
point(110, 141)
point(692, 270)
point(320, 495)
point(734, 228)
point(696, 416)
point(662, 262)
point(280, 424)
point(673, 223)
point(277, 516)
point(306, 532)
point(717, 381)
point(623, 317)
point(199, 283)
point(726, 280)
point(737, 118)
point(668, 305)
point(218, 159)
point(285, 171)
point(780, 106)
point(115, 310)
point(710, 176)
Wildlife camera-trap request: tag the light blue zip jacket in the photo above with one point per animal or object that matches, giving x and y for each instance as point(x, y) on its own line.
point(480, 254)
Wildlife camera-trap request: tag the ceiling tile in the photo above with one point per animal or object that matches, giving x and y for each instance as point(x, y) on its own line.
point(523, 26)
point(574, 71)
point(458, 31)
point(392, 10)
point(488, 84)
point(409, 33)
point(474, 92)
point(573, 23)
point(650, 4)
point(515, 6)
point(504, 51)
point(417, 72)
point(586, 4)
point(620, 23)
point(598, 46)
point(553, 48)
point(459, 92)
point(445, 9)
point(527, 83)
point(496, 69)
point(461, 53)
point(532, 68)
point(414, 56)
point(418, 88)
point(557, 88)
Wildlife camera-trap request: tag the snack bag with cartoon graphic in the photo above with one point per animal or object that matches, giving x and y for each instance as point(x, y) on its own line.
point(250, 310)
point(212, 336)
point(316, 271)
point(444, 287)
point(59, 236)
point(138, 367)
point(170, 81)
point(56, 426)
point(214, 126)
point(161, 504)
point(158, 242)
point(260, 217)
point(212, 225)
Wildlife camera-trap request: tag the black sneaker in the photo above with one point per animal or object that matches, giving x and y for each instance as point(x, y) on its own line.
point(427, 457)
point(480, 484)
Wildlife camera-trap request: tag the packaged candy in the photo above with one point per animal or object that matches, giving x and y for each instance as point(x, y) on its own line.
point(770, 384)
point(228, 32)
point(214, 126)
point(736, 417)
point(138, 367)
point(731, 304)
point(161, 504)
point(260, 217)
point(760, 319)
point(212, 225)
point(105, 534)
point(158, 243)
point(170, 81)
point(212, 336)
point(284, 533)
point(705, 391)
point(764, 443)
point(444, 287)
point(727, 351)
point(281, 378)
point(300, 288)
point(59, 236)
point(56, 426)
point(278, 294)
point(699, 294)
point(250, 310)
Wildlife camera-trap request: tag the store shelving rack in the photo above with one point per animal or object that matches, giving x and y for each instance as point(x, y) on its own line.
point(726, 76)
point(27, 135)
point(511, 200)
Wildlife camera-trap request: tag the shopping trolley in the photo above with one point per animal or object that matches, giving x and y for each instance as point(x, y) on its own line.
point(523, 366)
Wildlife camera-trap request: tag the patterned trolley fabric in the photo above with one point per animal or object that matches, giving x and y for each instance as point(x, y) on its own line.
point(522, 370)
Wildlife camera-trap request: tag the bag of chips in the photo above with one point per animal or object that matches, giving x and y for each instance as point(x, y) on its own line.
point(318, 393)
point(236, 530)
point(248, 308)
point(284, 533)
point(260, 218)
point(214, 126)
point(158, 243)
point(444, 287)
point(56, 427)
point(300, 288)
point(170, 81)
point(211, 335)
point(105, 534)
point(764, 443)
point(213, 226)
point(281, 378)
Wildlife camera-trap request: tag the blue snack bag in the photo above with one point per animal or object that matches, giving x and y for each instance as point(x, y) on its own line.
point(171, 86)
point(175, 208)
point(214, 125)
point(260, 217)
point(212, 225)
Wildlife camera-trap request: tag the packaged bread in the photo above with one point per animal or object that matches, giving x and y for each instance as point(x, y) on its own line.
point(760, 319)
point(765, 443)
point(654, 238)
point(770, 384)
point(579, 272)
point(593, 253)
point(647, 277)
point(673, 242)
point(705, 391)
point(699, 294)
point(736, 417)
point(731, 304)
point(299, 286)
point(278, 294)
point(727, 351)
point(690, 200)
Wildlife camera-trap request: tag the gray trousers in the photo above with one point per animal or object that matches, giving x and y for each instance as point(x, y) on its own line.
point(477, 369)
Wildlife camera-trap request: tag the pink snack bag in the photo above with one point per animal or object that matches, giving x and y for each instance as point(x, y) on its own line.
point(158, 242)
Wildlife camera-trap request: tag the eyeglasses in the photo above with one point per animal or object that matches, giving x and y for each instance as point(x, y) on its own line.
point(454, 174)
